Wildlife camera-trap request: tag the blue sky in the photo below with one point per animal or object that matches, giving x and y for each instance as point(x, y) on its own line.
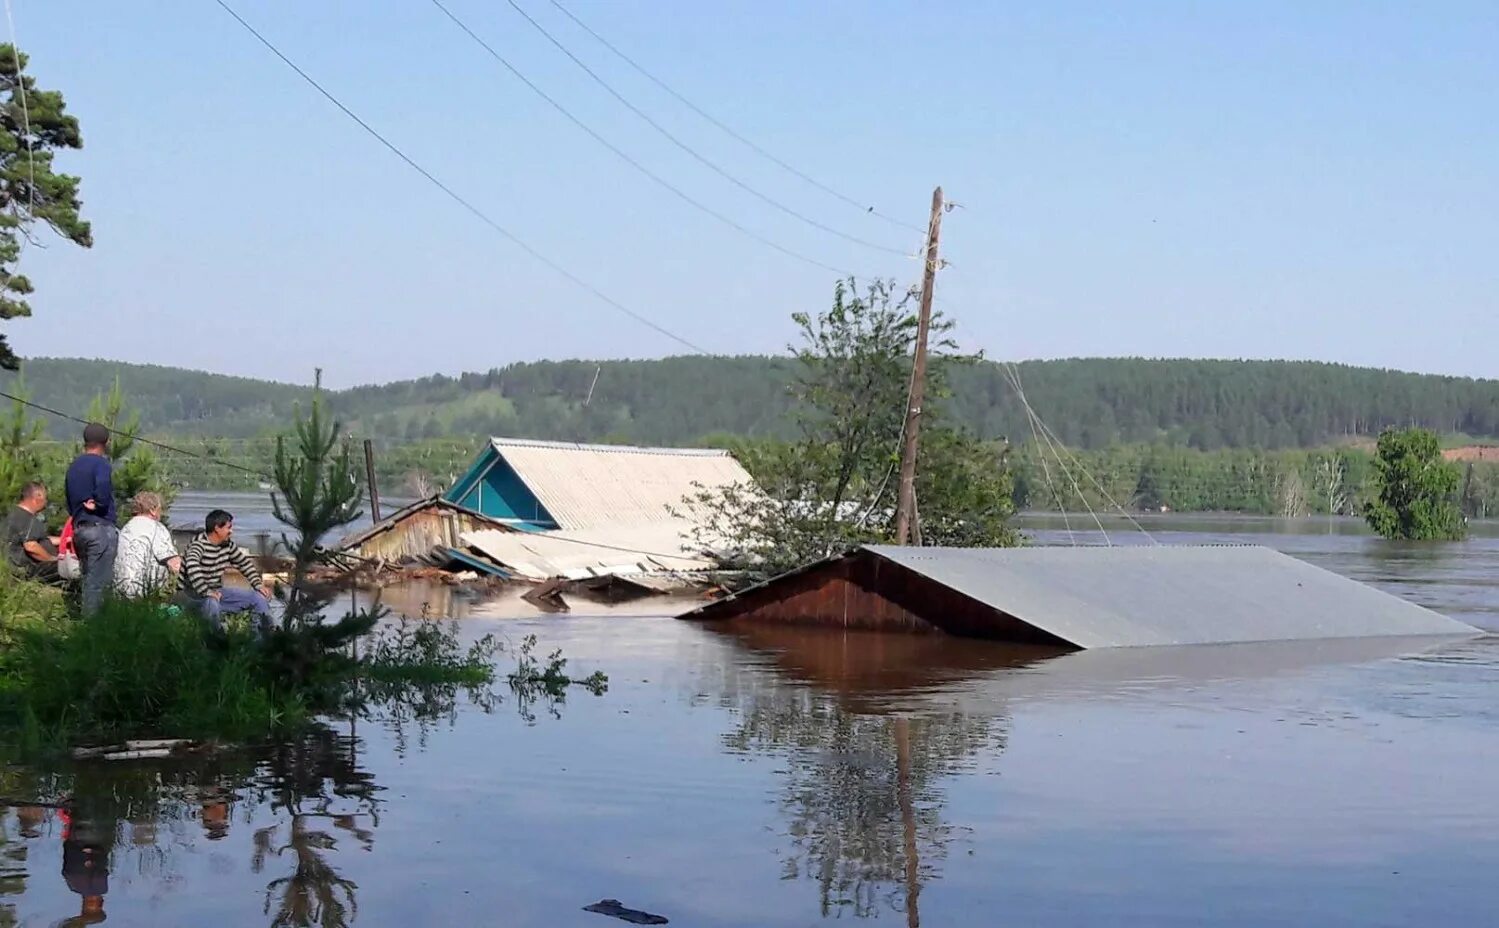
point(1162, 179)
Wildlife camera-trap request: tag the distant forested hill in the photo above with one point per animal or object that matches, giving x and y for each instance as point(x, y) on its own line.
point(1089, 402)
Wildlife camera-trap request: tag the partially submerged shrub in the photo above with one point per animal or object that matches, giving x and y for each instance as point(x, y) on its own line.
point(533, 681)
point(137, 669)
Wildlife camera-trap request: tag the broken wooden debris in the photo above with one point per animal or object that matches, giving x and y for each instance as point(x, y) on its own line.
point(139, 749)
point(137, 755)
point(612, 907)
point(547, 596)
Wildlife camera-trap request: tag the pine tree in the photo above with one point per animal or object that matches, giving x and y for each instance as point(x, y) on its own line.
point(35, 125)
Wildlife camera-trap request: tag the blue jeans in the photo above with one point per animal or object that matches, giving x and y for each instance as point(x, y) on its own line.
point(232, 600)
point(96, 543)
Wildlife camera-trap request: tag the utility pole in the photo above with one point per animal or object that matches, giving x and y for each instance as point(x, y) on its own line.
point(369, 479)
point(905, 506)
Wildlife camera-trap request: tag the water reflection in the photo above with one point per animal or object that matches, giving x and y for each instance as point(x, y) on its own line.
point(317, 783)
point(864, 789)
point(130, 816)
point(872, 733)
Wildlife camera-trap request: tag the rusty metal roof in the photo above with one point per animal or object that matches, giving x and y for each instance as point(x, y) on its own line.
point(584, 486)
point(1105, 597)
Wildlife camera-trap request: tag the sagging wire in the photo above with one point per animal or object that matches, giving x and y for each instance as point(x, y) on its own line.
point(15, 49)
point(1013, 375)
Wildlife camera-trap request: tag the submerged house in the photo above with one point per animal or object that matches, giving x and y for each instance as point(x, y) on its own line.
point(543, 509)
point(1083, 597)
point(551, 485)
point(426, 530)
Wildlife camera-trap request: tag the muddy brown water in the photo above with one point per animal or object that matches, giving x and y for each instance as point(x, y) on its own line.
point(753, 777)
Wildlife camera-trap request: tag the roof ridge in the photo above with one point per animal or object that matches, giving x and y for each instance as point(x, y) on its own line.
point(500, 442)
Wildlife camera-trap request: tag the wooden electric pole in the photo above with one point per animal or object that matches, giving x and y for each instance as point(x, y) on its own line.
point(369, 480)
point(905, 505)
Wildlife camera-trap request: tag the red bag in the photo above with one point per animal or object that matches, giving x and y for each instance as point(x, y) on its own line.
point(67, 554)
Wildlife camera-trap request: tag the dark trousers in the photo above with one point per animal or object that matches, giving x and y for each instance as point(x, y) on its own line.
point(43, 572)
point(96, 543)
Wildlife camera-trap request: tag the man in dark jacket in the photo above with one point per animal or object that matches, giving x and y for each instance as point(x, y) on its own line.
point(91, 503)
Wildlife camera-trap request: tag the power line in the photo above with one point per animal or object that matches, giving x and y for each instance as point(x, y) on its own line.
point(868, 210)
point(140, 438)
point(1067, 472)
point(630, 160)
point(697, 156)
point(15, 50)
point(453, 194)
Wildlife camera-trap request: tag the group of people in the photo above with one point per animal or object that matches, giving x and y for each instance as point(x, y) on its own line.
point(138, 560)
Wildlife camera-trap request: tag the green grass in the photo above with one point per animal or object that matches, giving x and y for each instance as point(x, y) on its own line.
point(137, 670)
point(134, 670)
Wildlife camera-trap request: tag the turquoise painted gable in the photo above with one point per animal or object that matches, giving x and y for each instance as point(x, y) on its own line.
point(492, 487)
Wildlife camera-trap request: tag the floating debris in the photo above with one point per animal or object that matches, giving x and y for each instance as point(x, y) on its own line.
point(140, 749)
point(633, 916)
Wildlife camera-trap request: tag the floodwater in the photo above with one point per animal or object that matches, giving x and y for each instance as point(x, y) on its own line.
point(768, 778)
point(252, 511)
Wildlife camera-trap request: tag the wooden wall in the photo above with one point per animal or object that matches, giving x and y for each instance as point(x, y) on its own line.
point(416, 535)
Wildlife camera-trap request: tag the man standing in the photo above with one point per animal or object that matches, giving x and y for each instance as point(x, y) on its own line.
point(32, 551)
point(203, 567)
point(86, 843)
point(91, 503)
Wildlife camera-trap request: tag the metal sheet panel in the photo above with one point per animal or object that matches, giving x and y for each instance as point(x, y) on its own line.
point(584, 486)
point(618, 550)
point(1139, 596)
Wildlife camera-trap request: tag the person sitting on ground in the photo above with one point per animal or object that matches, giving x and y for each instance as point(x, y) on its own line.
point(203, 575)
point(147, 560)
point(32, 551)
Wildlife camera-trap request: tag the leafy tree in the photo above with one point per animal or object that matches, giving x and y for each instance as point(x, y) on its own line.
point(965, 491)
point(35, 125)
point(833, 486)
point(1415, 488)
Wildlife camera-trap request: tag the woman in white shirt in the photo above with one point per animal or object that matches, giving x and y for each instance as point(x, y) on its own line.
point(147, 559)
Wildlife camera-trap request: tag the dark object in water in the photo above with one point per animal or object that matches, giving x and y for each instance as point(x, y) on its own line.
point(547, 596)
point(633, 916)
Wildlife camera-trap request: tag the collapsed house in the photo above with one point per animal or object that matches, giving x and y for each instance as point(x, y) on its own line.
point(543, 510)
point(1082, 597)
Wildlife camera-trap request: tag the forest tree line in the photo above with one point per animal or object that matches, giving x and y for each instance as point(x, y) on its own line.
point(1090, 403)
point(1136, 478)
point(1285, 483)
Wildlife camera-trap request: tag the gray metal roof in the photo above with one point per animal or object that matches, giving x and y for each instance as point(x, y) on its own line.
point(1135, 596)
point(589, 486)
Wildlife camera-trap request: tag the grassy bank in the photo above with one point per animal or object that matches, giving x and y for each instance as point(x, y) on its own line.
point(138, 670)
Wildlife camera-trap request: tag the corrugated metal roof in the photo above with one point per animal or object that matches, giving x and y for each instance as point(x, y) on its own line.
point(1168, 595)
point(575, 555)
point(583, 486)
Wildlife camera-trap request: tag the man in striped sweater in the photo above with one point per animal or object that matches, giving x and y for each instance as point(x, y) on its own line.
point(203, 567)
